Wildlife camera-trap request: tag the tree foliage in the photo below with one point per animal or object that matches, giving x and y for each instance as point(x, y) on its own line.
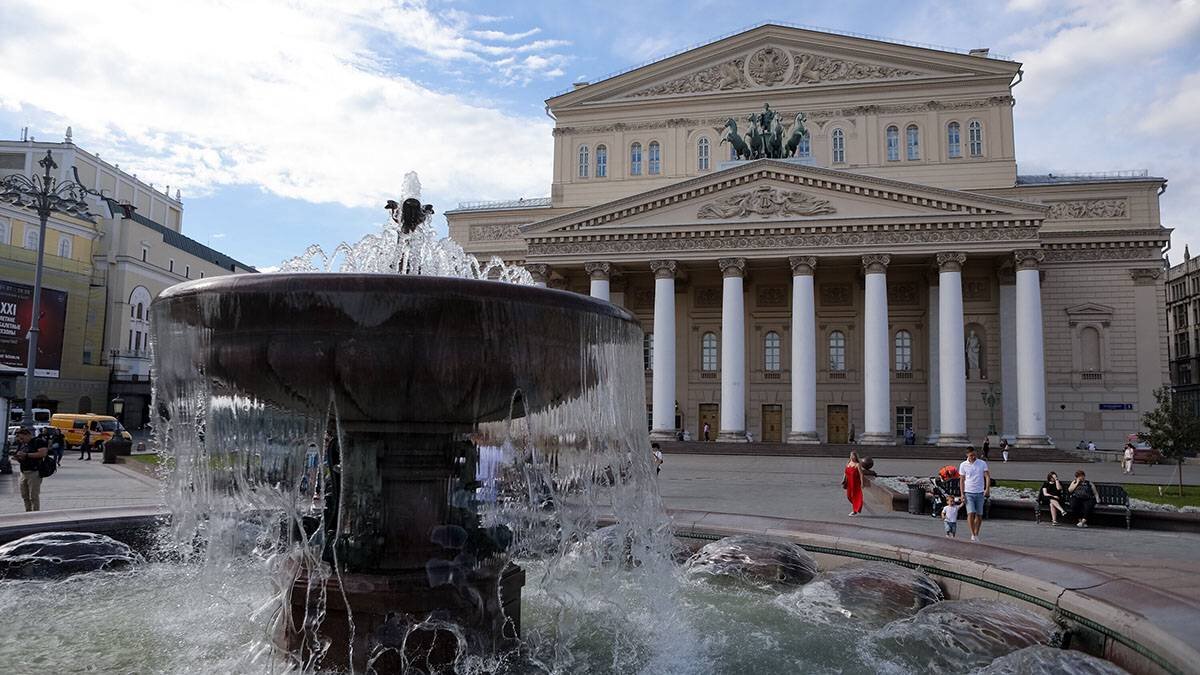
point(1172, 429)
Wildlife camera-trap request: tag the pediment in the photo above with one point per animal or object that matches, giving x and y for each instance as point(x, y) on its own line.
point(763, 192)
point(778, 58)
point(1090, 311)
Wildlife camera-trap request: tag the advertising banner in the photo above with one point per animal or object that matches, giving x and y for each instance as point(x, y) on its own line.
point(16, 307)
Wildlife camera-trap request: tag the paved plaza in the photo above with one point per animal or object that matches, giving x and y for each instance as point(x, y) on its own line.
point(83, 484)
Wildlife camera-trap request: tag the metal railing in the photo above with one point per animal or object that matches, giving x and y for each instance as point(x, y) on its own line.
point(1052, 177)
point(521, 203)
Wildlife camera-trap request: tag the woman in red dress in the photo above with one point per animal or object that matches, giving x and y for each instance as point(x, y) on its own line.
point(853, 484)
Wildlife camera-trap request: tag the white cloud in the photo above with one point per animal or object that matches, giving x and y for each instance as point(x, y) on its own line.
point(296, 98)
point(1176, 113)
point(1091, 38)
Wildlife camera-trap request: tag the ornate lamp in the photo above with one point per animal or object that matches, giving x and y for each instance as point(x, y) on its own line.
point(990, 397)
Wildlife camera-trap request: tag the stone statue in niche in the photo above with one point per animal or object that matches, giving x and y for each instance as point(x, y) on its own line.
point(973, 355)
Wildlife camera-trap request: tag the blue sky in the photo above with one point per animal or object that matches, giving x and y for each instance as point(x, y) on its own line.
point(290, 123)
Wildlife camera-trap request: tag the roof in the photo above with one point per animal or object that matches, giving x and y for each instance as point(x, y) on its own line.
point(179, 241)
point(521, 203)
point(1134, 175)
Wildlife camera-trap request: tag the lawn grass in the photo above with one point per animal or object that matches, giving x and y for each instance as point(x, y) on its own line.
point(1149, 493)
point(148, 458)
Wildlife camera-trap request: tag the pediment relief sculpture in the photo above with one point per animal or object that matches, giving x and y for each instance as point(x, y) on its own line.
point(770, 67)
point(1079, 209)
point(765, 202)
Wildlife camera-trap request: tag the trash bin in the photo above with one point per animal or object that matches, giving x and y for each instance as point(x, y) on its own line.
point(110, 453)
point(916, 499)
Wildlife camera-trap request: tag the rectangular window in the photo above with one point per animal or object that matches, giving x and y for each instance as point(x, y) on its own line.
point(170, 265)
point(187, 271)
point(130, 341)
point(145, 254)
point(648, 351)
point(904, 419)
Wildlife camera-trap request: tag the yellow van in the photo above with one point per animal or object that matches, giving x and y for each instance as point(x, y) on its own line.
point(104, 429)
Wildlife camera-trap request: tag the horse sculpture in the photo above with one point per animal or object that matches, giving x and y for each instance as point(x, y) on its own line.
point(798, 134)
point(731, 135)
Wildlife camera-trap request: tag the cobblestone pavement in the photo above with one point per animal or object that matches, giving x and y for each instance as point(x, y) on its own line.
point(83, 484)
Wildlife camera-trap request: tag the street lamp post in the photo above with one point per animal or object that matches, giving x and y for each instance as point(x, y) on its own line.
point(990, 398)
point(45, 194)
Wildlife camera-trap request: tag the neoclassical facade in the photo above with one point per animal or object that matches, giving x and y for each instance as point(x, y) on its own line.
point(894, 271)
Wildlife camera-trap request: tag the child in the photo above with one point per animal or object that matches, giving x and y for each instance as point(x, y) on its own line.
point(950, 516)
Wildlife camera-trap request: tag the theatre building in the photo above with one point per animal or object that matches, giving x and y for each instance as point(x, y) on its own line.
point(888, 269)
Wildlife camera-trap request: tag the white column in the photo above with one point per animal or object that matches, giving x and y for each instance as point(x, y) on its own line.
point(1031, 368)
point(804, 352)
point(934, 371)
point(540, 273)
point(877, 422)
point(733, 352)
point(952, 368)
point(1008, 355)
point(599, 271)
point(663, 378)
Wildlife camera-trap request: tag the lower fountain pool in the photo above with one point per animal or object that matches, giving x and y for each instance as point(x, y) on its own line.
point(594, 617)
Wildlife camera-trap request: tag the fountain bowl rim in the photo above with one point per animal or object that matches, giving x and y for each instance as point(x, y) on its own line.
point(348, 282)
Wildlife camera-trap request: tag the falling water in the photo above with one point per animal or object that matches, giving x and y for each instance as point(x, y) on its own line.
point(393, 251)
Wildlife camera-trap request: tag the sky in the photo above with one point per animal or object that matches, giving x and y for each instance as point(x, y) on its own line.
point(287, 123)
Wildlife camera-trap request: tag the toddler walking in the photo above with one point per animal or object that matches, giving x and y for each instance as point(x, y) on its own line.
point(950, 516)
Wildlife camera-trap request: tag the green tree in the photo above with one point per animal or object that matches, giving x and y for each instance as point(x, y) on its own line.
point(1172, 429)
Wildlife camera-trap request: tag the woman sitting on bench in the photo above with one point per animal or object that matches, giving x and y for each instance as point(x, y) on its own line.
point(1083, 498)
point(1051, 496)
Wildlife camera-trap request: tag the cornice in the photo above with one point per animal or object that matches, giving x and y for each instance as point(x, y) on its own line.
point(950, 201)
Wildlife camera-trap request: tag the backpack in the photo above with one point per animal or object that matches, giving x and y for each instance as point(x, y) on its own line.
point(48, 466)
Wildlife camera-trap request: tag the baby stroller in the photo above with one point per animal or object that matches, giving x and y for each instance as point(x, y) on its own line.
point(944, 487)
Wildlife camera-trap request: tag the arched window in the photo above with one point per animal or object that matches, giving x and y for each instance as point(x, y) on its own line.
point(893, 144)
point(903, 350)
point(702, 154)
point(839, 146)
point(648, 351)
point(953, 140)
point(708, 352)
point(64, 247)
point(601, 161)
point(837, 351)
point(772, 352)
point(913, 142)
point(655, 158)
point(975, 138)
point(31, 238)
point(139, 310)
point(804, 148)
point(583, 161)
point(1089, 343)
point(635, 159)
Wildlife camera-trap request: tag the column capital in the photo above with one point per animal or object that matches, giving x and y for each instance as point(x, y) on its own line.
point(663, 269)
point(732, 267)
point(951, 261)
point(876, 263)
point(539, 271)
point(803, 265)
point(598, 270)
point(1145, 276)
point(1028, 258)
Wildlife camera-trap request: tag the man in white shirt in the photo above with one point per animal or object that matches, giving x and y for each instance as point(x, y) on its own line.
point(975, 483)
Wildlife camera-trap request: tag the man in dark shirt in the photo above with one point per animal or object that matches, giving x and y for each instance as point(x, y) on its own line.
point(29, 454)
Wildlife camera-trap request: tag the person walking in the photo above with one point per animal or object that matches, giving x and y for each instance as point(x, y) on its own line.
point(975, 483)
point(656, 455)
point(1004, 448)
point(950, 517)
point(29, 454)
point(85, 446)
point(852, 483)
point(987, 448)
point(1127, 459)
point(1083, 498)
point(57, 446)
point(706, 430)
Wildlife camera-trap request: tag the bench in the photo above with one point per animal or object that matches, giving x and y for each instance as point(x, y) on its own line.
point(1110, 497)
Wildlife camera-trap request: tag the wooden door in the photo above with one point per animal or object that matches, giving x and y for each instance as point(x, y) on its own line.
point(709, 414)
point(838, 423)
point(772, 424)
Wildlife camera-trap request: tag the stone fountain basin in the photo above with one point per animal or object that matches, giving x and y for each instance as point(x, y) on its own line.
point(391, 349)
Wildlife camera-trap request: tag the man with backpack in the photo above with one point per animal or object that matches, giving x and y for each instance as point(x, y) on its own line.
point(29, 454)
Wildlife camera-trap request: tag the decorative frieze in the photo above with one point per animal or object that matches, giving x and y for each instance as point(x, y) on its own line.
point(817, 69)
point(1105, 251)
point(721, 77)
point(1145, 276)
point(771, 296)
point(1081, 209)
point(768, 66)
point(976, 289)
point(836, 295)
point(703, 241)
point(494, 232)
point(904, 293)
point(641, 298)
point(766, 201)
point(708, 297)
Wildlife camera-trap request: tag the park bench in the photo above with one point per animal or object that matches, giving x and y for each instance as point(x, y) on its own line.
point(1109, 498)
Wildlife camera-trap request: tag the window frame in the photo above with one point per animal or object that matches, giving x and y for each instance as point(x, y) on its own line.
point(602, 161)
point(710, 347)
point(892, 143)
point(654, 159)
point(703, 153)
point(66, 248)
point(584, 158)
point(953, 140)
point(635, 159)
point(902, 340)
point(912, 143)
point(975, 138)
point(31, 238)
point(772, 353)
point(836, 352)
point(907, 413)
point(837, 145)
point(648, 352)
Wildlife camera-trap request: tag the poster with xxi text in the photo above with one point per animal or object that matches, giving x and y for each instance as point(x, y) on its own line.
point(16, 306)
